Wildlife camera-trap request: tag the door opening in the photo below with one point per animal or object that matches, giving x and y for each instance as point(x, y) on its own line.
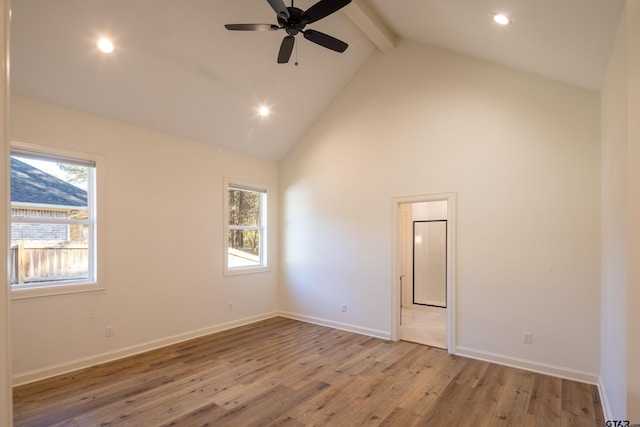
point(424, 270)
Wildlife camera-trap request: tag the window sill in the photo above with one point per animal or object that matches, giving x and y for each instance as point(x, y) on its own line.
point(246, 270)
point(52, 290)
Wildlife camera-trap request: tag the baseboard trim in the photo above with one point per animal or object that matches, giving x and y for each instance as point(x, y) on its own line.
point(604, 399)
point(529, 365)
point(376, 333)
point(87, 362)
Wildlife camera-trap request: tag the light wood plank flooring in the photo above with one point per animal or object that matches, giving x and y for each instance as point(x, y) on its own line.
point(426, 325)
point(288, 373)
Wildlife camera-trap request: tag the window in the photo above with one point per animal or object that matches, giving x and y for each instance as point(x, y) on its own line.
point(53, 220)
point(246, 228)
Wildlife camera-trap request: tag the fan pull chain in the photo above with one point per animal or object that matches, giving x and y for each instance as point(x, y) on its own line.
point(296, 63)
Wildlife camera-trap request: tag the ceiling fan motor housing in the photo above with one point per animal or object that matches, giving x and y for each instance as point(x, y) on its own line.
point(294, 24)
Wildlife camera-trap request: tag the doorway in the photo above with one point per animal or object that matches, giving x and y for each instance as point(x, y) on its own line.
point(424, 273)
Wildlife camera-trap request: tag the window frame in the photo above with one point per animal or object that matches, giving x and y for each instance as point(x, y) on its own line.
point(70, 286)
point(263, 228)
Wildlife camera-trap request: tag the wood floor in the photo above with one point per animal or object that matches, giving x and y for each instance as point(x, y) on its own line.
point(288, 373)
point(426, 325)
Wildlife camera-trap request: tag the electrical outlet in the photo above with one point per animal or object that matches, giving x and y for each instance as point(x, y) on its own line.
point(230, 308)
point(108, 331)
point(344, 308)
point(527, 337)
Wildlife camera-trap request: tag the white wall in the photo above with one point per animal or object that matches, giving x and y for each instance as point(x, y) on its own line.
point(614, 228)
point(633, 165)
point(620, 369)
point(164, 234)
point(6, 417)
point(522, 153)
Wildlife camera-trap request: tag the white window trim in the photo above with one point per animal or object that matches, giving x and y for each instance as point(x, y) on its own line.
point(71, 286)
point(264, 244)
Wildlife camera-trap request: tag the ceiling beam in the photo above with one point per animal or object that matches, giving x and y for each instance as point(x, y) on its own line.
point(370, 24)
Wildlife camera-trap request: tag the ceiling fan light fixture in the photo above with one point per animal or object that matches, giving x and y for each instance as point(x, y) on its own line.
point(501, 19)
point(105, 45)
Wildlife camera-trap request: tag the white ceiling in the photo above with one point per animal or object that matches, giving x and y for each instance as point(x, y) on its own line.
point(568, 40)
point(177, 70)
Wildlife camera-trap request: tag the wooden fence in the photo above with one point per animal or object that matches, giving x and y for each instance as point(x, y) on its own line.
point(39, 264)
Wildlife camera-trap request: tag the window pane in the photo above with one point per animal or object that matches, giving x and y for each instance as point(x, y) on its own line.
point(244, 207)
point(49, 199)
point(244, 248)
point(43, 256)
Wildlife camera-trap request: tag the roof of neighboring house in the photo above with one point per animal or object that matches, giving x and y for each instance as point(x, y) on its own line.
point(32, 185)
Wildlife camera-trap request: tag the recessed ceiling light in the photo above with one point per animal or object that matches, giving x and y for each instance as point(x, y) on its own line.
point(263, 111)
point(105, 45)
point(501, 19)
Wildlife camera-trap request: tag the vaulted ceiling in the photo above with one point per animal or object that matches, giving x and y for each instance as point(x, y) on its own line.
point(177, 70)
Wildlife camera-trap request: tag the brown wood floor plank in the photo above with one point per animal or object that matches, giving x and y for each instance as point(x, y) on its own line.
point(286, 421)
point(513, 405)
point(546, 398)
point(61, 408)
point(332, 406)
point(259, 411)
point(577, 404)
point(539, 421)
point(597, 406)
point(472, 374)
point(201, 417)
point(281, 372)
point(401, 417)
point(430, 389)
point(446, 409)
point(167, 401)
point(297, 398)
point(66, 423)
point(382, 404)
point(485, 396)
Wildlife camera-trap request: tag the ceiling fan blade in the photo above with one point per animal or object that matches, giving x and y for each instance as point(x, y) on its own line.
point(252, 27)
point(285, 49)
point(280, 8)
point(321, 9)
point(325, 40)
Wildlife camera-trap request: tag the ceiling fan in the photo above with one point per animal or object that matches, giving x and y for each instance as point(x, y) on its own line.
point(294, 20)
